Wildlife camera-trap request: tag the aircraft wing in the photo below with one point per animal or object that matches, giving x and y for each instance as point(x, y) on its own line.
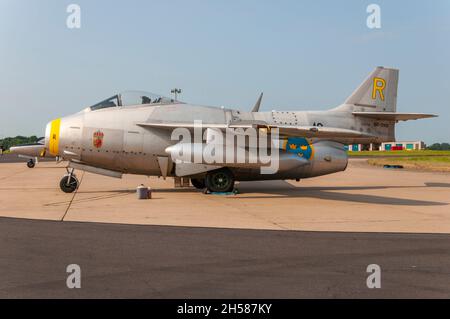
point(284, 130)
point(304, 131)
point(174, 125)
point(393, 116)
point(320, 132)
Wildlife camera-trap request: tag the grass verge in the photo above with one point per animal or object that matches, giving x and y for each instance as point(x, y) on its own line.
point(423, 163)
point(399, 153)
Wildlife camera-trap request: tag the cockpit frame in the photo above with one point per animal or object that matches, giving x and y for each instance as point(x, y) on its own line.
point(132, 98)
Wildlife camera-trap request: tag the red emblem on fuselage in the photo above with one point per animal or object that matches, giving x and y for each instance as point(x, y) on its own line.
point(98, 139)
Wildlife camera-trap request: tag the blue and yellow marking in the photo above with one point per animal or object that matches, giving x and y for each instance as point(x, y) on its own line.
point(53, 143)
point(300, 146)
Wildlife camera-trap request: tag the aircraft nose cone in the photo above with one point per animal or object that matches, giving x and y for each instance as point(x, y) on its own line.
point(13, 150)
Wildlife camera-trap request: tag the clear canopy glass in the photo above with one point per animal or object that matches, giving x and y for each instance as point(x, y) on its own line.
point(128, 98)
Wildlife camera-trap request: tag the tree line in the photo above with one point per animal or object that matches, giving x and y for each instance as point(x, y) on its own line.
point(439, 147)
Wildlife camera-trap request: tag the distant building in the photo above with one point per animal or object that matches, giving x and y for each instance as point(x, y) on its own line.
point(409, 146)
point(388, 146)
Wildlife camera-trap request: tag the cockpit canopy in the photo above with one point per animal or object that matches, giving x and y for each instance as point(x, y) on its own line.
point(129, 98)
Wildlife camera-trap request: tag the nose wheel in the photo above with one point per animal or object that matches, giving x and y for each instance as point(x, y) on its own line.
point(69, 183)
point(30, 163)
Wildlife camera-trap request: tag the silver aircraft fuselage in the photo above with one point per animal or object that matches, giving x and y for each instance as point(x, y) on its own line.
point(130, 148)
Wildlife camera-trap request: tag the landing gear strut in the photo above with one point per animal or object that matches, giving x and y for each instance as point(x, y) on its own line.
point(69, 183)
point(220, 181)
point(30, 163)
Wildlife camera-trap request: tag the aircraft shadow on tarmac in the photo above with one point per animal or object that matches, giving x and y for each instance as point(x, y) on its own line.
point(285, 189)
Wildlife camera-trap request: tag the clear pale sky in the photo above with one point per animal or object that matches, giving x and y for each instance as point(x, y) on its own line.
point(304, 55)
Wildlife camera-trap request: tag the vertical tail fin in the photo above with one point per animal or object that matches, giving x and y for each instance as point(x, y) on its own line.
point(378, 92)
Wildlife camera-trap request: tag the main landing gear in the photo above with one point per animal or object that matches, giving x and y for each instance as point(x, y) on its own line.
point(198, 183)
point(69, 183)
point(219, 181)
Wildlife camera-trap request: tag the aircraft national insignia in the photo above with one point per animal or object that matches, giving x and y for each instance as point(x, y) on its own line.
point(98, 139)
point(300, 146)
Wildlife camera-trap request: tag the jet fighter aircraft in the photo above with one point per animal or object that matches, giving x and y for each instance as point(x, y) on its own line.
point(133, 134)
point(32, 152)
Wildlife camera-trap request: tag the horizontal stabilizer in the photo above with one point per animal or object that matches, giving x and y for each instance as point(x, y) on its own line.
point(393, 116)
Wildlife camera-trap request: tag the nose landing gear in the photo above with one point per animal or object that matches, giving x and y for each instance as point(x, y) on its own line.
point(31, 163)
point(69, 183)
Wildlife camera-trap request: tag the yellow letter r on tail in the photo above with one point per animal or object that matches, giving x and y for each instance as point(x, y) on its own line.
point(378, 86)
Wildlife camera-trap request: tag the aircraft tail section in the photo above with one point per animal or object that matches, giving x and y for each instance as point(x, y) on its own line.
point(373, 105)
point(378, 92)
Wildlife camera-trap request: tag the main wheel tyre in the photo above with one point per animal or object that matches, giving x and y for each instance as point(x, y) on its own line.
point(198, 183)
point(30, 164)
point(68, 187)
point(220, 181)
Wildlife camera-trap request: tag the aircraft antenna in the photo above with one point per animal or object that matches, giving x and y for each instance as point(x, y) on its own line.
point(175, 91)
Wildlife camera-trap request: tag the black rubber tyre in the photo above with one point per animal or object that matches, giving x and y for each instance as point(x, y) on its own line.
point(220, 181)
point(73, 185)
point(198, 183)
point(30, 164)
